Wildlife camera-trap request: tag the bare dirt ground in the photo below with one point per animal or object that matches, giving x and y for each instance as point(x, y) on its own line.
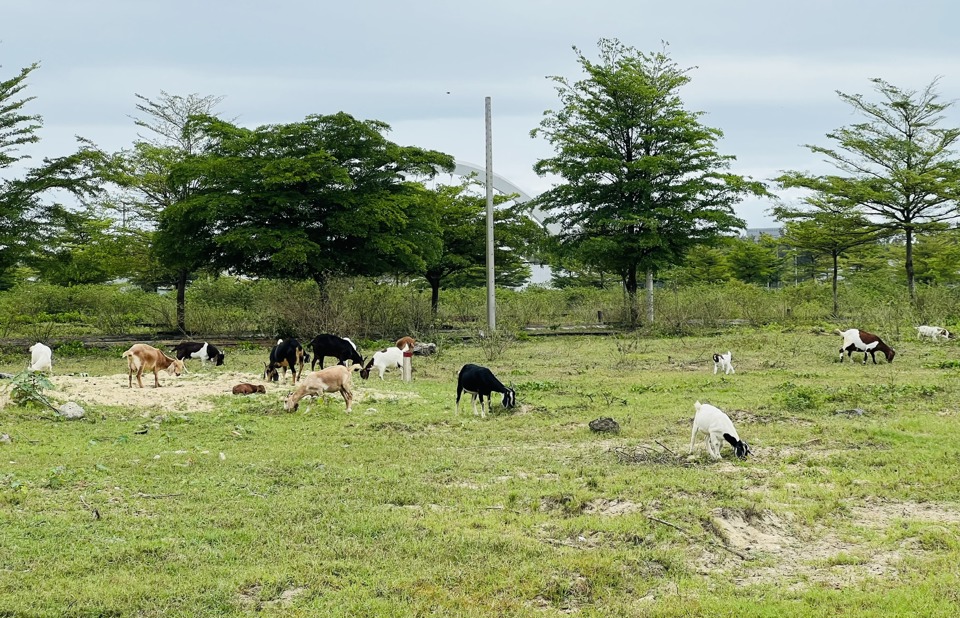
point(192, 392)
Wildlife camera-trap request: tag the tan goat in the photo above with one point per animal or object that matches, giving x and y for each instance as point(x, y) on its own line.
point(334, 379)
point(142, 357)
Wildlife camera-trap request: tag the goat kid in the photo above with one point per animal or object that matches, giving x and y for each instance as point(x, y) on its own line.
point(718, 426)
point(723, 361)
point(933, 332)
point(855, 340)
point(335, 379)
point(285, 355)
point(245, 388)
point(142, 357)
point(480, 382)
point(41, 358)
point(195, 349)
point(340, 348)
point(383, 360)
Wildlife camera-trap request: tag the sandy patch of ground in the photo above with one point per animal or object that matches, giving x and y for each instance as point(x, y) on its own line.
point(192, 392)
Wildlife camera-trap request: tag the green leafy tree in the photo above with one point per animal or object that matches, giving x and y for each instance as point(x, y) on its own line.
point(898, 165)
point(754, 261)
point(24, 201)
point(327, 196)
point(83, 247)
point(938, 258)
point(461, 261)
point(641, 179)
point(703, 264)
point(829, 228)
point(144, 172)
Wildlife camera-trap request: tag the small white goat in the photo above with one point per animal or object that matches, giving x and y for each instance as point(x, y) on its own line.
point(41, 358)
point(718, 426)
point(723, 361)
point(933, 332)
point(383, 360)
point(335, 379)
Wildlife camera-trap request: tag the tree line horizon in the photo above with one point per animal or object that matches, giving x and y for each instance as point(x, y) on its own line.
point(644, 195)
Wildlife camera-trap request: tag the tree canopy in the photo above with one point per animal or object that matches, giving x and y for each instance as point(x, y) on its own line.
point(641, 179)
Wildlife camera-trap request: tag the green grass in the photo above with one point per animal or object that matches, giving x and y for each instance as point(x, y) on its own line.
point(402, 508)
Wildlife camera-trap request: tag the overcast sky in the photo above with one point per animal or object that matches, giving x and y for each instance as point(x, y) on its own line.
point(766, 72)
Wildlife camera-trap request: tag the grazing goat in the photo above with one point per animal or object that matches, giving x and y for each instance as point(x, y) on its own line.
point(41, 358)
point(382, 360)
point(142, 357)
point(340, 348)
point(717, 425)
point(933, 332)
point(194, 349)
point(285, 355)
point(335, 379)
point(723, 361)
point(480, 382)
point(245, 388)
point(406, 341)
point(855, 340)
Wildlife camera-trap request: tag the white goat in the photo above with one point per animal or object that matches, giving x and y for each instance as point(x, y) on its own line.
point(723, 361)
point(383, 360)
point(933, 332)
point(41, 358)
point(718, 426)
point(335, 379)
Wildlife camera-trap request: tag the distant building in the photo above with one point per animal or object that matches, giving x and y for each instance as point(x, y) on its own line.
point(754, 233)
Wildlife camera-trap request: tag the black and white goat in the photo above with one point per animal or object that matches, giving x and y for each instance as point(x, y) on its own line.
point(340, 348)
point(718, 426)
point(855, 340)
point(384, 359)
point(723, 361)
point(480, 382)
point(195, 349)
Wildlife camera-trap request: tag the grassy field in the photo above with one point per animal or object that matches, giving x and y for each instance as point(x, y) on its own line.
point(228, 506)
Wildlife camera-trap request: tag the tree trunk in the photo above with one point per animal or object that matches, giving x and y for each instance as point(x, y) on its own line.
point(836, 270)
point(434, 295)
point(649, 297)
point(630, 284)
point(182, 301)
point(910, 283)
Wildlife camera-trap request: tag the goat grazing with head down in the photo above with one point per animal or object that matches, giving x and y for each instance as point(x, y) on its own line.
point(142, 357)
point(480, 382)
point(933, 332)
point(718, 427)
point(383, 360)
point(855, 340)
point(335, 379)
point(285, 355)
point(41, 358)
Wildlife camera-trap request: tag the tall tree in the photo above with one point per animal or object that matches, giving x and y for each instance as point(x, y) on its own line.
point(898, 165)
point(641, 179)
point(145, 173)
point(24, 201)
point(329, 195)
point(831, 228)
point(462, 257)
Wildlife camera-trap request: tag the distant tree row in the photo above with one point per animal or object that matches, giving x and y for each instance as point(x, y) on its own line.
point(643, 192)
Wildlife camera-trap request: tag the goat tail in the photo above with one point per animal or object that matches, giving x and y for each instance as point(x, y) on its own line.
point(837, 331)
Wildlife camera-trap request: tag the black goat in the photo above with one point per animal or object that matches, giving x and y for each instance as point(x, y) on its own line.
point(338, 347)
point(480, 382)
point(287, 354)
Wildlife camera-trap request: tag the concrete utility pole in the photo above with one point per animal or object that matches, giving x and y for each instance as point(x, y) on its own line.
point(491, 278)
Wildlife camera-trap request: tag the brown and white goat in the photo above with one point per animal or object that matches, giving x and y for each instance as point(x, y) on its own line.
point(855, 340)
point(406, 341)
point(335, 379)
point(142, 357)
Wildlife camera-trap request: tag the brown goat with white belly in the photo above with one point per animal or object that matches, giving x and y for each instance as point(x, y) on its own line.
point(335, 379)
point(142, 357)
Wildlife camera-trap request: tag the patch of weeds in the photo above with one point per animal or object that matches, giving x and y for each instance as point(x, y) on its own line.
point(393, 426)
point(844, 559)
point(538, 386)
point(797, 398)
point(947, 364)
point(938, 539)
point(27, 387)
point(569, 505)
point(568, 591)
point(896, 392)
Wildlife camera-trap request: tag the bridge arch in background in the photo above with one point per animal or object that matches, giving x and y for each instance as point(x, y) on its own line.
point(466, 169)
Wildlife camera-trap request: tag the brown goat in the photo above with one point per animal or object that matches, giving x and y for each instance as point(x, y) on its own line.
point(335, 379)
point(409, 341)
point(141, 356)
point(246, 388)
